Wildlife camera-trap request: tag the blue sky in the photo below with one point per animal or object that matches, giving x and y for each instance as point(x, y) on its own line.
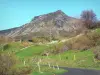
point(15, 13)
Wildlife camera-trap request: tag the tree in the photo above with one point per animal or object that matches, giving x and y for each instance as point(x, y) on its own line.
point(88, 18)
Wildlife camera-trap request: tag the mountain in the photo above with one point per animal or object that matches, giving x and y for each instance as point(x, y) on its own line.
point(56, 24)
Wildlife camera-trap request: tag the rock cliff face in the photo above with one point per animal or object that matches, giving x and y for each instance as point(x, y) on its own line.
point(55, 24)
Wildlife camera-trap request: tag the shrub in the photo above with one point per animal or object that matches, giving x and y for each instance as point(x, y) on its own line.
point(83, 42)
point(25, 44)
point(95, 36)
point(97, 52)
point(25, 70)
point(40, 39)
point(37, 40)
point(6, 46)
point(80, 43)
point(59, 48)
point(7, 62)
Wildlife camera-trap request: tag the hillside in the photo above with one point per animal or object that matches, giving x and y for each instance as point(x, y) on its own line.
point(74, 56)
point(81, 51)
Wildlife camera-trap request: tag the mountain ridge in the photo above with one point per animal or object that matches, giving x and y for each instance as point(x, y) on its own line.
point(58, 22)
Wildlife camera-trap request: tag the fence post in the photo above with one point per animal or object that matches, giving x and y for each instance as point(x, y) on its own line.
point(74, 57)
point(53, 67)
point(48, 61)
point(24, 62)
point(39, 67)
point(57, 67)
point(94, 60)
point(59, 56)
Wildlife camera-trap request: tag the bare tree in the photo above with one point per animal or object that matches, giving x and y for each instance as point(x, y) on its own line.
point(88, 18)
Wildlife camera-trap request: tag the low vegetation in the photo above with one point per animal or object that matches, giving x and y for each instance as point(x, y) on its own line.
point(97, 52)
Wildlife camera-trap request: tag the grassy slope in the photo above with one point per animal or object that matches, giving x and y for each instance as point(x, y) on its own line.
point(77, 59)
point(83, 59)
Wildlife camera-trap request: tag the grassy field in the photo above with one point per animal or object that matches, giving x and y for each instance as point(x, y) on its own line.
point(31, 51)
point(71, 58)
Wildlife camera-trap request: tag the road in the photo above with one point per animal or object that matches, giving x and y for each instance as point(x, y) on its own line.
point(74, 71)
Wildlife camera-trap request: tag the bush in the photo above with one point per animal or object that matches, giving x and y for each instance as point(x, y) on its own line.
point(59, 48)
point(82, 42)
point(8, 65)
point(40, 39)
point(24, 71)
point(25, 44)
point(97, 52)
point(93, 36)
point(6, 46)
point(7, 62)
